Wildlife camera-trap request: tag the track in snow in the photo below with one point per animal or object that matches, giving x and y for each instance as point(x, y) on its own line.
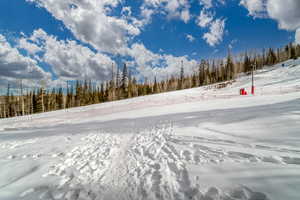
point(145, 165)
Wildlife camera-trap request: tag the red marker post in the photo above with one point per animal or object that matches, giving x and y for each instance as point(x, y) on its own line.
point(253, 87)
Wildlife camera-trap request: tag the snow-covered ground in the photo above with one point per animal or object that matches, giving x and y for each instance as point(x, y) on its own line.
point(201, 143)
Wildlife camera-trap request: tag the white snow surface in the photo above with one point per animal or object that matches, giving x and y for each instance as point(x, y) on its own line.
point(202, 143)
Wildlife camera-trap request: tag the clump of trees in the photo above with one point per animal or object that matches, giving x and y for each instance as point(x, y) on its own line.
point(122, 85)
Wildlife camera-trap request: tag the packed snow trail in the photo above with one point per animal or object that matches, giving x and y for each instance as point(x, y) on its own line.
point(202, 143)
point(139, 166)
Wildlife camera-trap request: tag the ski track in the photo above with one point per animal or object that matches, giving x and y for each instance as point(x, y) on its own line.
point(149, 165)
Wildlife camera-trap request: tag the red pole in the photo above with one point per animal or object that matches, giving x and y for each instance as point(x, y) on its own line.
point(253, 88)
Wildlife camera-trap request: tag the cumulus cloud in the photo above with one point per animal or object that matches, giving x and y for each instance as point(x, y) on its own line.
point(147, 14)
point(298, 36)
point(150, 65)
point(30, 47)
point(143, 56)
point(91, 21)
point(231, 44)
point(99, 24)
point(70, 60)
point(286, 12)
point(172, 8)
point(205, 18)
point(256, 8)
point(185, 16)
point(14, 66)
point(206, 3)
point(216, 32)
point(190, 37)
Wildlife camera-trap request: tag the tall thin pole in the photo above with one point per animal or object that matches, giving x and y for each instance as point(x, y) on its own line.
point(253, 88)
point(22, 99)
point(252, 76)
point(67, 96)
point(113, 81)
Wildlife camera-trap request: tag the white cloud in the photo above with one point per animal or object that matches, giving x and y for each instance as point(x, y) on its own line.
point(205, 18)
point(216, 33)
point(91, 21)
point(211, 3)
point(30, 47)
point(172, 5)
point(215, 51)
point(70, 60)
point(190, 37)
point(14, 66)
point(185, 16)
point(223, 2)
point(206, 3)
point(256, 8)
point(147, 14)
point(230, 46)
point(172, 8)
point(96, 23)
point(143, 56)
point(286, 13)
point(298, 36)
point(151, 65)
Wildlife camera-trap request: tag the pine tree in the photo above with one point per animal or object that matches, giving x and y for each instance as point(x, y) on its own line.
point(112, 95)
point(22, 108)
point(101, 95)
point(78, 96)
point(125, 81)
point(298, 50)
point(155, 86)
point(125, 77)
point(181, 80)
point(69, 97)
point(292, 52)
point(194, 80)
point(287, 52)
point(118, 79)
point(60, 99)
point(271, 58)
point(35, 106)
point(230, 73)
point(7, 102)
point(39, 100)
point(247, 63)
point(202, 72)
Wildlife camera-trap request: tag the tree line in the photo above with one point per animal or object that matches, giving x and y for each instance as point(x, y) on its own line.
point(123, 85)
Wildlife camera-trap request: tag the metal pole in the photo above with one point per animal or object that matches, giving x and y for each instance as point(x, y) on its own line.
point(22, 99)
point(252, 88)
point(252, 76)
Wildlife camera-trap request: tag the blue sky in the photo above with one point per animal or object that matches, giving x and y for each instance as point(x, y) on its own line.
point(72, 39)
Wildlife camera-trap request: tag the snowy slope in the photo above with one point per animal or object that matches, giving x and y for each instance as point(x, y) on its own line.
point(201, 143)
